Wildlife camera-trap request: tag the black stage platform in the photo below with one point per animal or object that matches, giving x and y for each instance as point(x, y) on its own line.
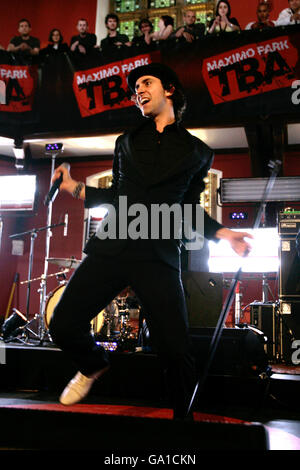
point(34, 374)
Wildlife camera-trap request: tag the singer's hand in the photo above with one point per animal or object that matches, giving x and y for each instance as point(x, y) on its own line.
point(68, 184)
point(236, 240)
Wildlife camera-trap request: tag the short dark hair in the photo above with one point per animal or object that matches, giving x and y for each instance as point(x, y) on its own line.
point(83, 19)
point(24, 20)
point(168, 20)
point(51, 33)
point(112, 16)
point(265, 4)
point(168, 79)
point(145, 21)
point(178, 98)
point(229, 7)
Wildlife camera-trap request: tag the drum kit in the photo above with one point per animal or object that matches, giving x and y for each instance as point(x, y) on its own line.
point(116, 326)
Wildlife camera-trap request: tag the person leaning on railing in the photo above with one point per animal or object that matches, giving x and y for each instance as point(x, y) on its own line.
point(223, 23)
point(114, 39)
point(84, 42)
point(165, 26)
point(24, 43)
point(144, 39)
point(263, 21)
point(291, 15)
point(56, 44)
point(191, 30)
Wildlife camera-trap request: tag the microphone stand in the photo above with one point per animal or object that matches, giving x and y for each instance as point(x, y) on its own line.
point(33, 234)
point(228, 302)
point(1, 230)
point(43, 284)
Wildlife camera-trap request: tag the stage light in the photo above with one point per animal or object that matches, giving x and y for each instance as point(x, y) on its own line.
point(238, 215)
point(285, 308)
point(98, 212)
point(252, 189)
point(263, 257)
point(108, 345)
point(53, 149)
point(17, 193)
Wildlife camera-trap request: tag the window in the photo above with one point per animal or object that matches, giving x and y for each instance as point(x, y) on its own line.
point(122, 6)
point(130, 12)
point(194, 2)
point(129, 27)
point(161, 3)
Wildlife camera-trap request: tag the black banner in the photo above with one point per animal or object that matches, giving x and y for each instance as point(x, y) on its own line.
point(230, 79)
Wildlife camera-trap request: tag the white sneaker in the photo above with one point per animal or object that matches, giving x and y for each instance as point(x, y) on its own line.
point(79, 387)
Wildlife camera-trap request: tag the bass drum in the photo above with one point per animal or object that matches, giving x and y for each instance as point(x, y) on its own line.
point(53, 299)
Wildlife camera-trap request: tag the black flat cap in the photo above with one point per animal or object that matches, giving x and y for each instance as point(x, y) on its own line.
point(155, 69)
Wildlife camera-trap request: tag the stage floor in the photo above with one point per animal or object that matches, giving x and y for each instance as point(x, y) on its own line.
point(239, 412)
point(41, 410)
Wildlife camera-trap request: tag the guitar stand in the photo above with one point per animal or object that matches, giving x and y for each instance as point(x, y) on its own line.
point(228, 302)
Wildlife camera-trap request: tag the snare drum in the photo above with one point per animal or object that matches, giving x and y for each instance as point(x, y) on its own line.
point(53, 299)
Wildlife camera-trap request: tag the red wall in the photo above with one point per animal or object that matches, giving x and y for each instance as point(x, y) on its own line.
point(60, 246)
point(245, 12)
point(44, 15)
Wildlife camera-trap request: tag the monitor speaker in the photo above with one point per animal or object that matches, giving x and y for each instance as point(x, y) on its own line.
point(239, 352)
point(204, 296)
point(264, 316)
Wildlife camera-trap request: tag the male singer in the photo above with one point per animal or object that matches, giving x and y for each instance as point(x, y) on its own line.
point(159, 162)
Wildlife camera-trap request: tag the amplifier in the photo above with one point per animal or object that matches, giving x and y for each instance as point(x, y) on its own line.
point(288, 222)
point(289, 272)
point(289, 328)
point(264, 316)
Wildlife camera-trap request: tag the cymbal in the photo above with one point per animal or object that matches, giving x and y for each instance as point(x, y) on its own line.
point(65, 262)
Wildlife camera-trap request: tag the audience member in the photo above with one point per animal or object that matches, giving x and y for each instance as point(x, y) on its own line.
point(84, 42)
point(165, 26)
point(24, 43)
point(223, 21)
point(56, 44)
point(113, 39)
point(146, 28)
point(191, 30)
point(263, 13)
point(291, 15)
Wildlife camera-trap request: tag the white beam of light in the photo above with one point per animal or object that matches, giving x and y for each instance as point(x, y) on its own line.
point(17, 191)
point(98, 212)
point(263, 257)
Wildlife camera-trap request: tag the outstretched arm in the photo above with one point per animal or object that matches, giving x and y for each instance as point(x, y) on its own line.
point(236, 240)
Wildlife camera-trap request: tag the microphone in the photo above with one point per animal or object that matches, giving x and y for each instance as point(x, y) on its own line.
point(55, 187)
point(66, 225)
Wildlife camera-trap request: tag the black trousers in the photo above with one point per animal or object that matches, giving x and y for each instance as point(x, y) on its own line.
point(95, 283)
